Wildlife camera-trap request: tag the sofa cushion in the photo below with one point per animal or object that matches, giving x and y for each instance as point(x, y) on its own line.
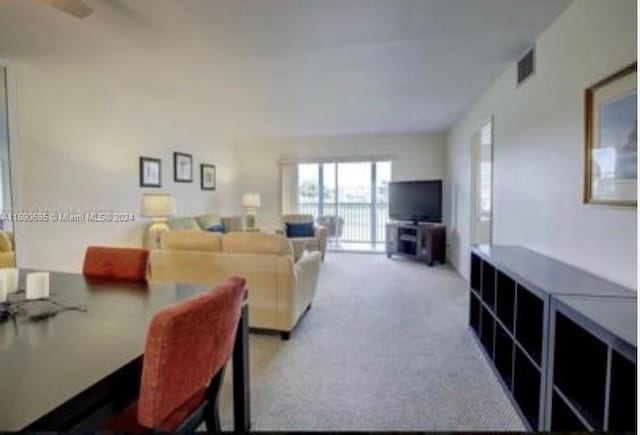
point(184, 223)
point(299, 229)
point(191, 240)
point(206, 221)
point(256, 243)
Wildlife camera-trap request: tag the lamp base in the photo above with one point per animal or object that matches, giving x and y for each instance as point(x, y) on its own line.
point(154, 234)
point(250, 221)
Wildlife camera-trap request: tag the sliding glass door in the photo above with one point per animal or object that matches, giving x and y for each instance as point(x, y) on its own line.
point(352, 194)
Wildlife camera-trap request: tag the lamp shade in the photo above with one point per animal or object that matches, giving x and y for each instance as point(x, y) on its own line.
point(251, 200)
point(158, 205)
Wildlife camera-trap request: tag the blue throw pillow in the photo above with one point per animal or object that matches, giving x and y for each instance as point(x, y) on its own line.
point(216, 229)
point(302, 229)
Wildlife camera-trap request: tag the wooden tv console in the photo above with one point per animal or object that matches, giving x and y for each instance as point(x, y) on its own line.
point(424, 242)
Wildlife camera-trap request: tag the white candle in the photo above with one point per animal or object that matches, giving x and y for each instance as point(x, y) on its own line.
point(38, 285)
point(10, 275)
point(3, 290)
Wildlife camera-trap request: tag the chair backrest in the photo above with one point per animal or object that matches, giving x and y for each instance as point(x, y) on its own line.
point(187, 344)
point(116, 263)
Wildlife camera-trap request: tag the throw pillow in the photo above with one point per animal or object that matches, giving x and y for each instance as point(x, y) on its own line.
point(299, 229)
point(208, 220)
point(216, 229)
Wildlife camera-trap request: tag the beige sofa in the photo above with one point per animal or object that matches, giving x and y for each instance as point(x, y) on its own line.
point(316, 243)
point(280, 290)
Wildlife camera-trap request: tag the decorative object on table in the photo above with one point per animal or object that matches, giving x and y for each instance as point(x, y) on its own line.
point(37, 285)
point(207, 177)
point(251, 204)
point(158, 207)
point(611, 140)
point(182, 167)
point(9, 276)
point(150, 172)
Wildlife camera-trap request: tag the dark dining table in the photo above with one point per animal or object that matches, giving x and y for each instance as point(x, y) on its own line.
point(76, 369)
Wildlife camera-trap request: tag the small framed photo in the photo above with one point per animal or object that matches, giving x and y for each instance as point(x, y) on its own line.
point(150, 172)
point(207, 177)
point(611, 140)
point(182, 168)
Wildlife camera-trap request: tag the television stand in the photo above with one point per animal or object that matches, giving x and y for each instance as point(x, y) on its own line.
point(424, 242)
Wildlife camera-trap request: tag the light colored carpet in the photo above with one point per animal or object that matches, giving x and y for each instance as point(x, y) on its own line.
point(385, 347)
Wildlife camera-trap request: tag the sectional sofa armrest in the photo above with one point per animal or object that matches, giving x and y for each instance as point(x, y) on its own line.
point(306, 271)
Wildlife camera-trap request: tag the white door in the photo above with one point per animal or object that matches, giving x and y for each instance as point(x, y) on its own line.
point(482, 184)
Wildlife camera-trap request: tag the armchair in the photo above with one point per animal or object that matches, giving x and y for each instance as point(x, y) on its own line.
point(318, 242)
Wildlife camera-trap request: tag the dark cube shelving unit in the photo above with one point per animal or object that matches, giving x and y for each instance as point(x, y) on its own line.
point(521, 328)
point(592, 373)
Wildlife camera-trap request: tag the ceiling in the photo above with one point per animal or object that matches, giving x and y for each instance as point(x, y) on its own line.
point(291, 67)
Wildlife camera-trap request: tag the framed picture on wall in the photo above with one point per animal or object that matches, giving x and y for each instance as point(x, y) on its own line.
point(611, 140)
point(182, 167)
point(207, 177)
point(150, 172)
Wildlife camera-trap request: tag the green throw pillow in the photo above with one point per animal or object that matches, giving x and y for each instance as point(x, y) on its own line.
point(185, 223)
point(208, 220)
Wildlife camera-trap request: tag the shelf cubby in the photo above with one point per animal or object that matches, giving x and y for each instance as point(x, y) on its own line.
point(580, 369)
point(503, 357)
point(623, 394)
point(486, 331)
point(564, 419)
point(505, 300)
point(526, 387)
point(474, 313)
point(529, 319)
point(476, 268)
point(488, 284)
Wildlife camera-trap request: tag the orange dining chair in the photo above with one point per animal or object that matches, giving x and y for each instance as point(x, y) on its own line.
point(116, 263)
point(188, 346)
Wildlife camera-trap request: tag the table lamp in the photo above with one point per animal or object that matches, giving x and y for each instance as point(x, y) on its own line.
point(251, 204)
point(158, 207)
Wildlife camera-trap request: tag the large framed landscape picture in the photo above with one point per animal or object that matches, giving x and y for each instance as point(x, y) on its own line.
point(611, 140)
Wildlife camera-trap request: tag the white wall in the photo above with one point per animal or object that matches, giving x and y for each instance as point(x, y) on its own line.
point(79, 144)
point(417, 156)
point(538, 149)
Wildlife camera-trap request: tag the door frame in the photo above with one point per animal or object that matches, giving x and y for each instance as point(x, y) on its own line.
point(474, 187)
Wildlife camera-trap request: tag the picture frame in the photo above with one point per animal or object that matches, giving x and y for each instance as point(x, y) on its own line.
point(182, 167)
point(150, 172)
point(207, 177)
point(611, 144)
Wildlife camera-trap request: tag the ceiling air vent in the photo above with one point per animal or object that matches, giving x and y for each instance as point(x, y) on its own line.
point(526, 66)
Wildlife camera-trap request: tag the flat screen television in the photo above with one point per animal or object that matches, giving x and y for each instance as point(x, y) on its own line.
point(416, 201)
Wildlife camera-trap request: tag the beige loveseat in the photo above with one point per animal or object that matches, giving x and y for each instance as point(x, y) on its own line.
point(280, 291)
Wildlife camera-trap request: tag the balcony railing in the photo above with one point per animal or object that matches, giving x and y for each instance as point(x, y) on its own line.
point(358, 219)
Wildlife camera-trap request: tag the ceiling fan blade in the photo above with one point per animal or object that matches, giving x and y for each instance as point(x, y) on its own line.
point(77, 8)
